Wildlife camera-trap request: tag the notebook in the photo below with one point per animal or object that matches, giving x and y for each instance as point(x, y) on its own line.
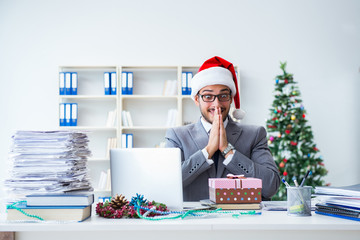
point(152, 172)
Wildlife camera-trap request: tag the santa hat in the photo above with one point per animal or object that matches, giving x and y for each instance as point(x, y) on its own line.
point(215, 71)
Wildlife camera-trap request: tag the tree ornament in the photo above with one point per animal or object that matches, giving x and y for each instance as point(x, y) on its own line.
point(293, 143)
point(269, 142)
point(282, 164)
point(286, 81)
point(287, 131)
point(285, 173)
point(289, 126)
point(303, 115)
point(285, 160)
point(271, 138)
point(118, 201)
point(293, 117)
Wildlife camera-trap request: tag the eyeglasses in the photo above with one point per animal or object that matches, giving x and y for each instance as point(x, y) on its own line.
point(210, 98)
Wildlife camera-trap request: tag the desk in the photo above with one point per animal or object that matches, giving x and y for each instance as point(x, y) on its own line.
point(269, 225)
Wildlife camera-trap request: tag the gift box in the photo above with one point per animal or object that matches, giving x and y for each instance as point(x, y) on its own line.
point(235, 190)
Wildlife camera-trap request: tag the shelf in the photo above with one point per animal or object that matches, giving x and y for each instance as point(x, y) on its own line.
point(145, 128)
point(89, 128)
point(89, 97)
point(148, 97)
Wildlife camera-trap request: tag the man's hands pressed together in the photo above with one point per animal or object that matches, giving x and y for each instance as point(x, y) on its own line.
point(217, 138)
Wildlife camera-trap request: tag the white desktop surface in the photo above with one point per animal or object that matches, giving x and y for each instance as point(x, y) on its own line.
point(268, 225)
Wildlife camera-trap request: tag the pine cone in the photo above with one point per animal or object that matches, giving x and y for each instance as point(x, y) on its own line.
point(118, 201)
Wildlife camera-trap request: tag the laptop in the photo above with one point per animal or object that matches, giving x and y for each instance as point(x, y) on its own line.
point(152, 172)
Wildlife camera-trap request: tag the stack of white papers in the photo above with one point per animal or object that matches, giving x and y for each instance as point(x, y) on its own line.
point(47, 162)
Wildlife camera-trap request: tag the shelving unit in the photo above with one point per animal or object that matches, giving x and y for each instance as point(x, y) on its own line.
point(147, 105)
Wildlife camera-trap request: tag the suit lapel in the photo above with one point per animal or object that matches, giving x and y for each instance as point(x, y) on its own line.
point(199, 135)
point(201, 138)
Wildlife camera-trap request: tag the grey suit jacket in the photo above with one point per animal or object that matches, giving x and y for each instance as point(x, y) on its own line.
point(252, 158)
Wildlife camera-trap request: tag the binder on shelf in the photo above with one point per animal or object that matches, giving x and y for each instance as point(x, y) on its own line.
point(186, 83)
point(127, 83)
point(123, 140)
point(189, 76)
point(127, 140)
point(123, 83)
point(62, 83)
point(67, 114)
point(113, 83)
point(74, 114)
point(74, 80)
point(107, 83)
point(68, 83)
point(62, 114)
point(130, 80)
point(183, 83)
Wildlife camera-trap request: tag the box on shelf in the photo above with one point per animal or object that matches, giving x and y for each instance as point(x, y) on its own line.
point(235, 190)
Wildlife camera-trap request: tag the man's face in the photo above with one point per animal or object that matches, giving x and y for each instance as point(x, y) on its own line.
point(207, 109)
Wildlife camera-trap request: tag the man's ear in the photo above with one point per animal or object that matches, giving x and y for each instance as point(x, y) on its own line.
point(196, 99)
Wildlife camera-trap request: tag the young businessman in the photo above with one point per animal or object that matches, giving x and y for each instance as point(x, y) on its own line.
point(216, 145)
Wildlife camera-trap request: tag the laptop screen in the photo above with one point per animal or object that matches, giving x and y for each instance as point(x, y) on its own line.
point(152, 172)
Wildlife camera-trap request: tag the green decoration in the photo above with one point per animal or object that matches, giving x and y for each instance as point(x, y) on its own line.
point(290, 138)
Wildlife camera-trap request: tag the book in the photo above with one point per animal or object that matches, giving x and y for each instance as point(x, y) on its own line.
point(49, 213)
point(63, 199)
point(338, 211)
point(231, 206)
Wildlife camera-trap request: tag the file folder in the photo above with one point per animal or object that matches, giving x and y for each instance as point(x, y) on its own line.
point(183, 83)
point(107, 83)
point(189, 76)
point(62, 83)
point(67, 83)
point(74, 114)
point(123, 140)
point(130, 83)
point(62, 114)
point(129, 140)
point(67, 114)
point(113, 83)
point(123, 83)
point(74, 80)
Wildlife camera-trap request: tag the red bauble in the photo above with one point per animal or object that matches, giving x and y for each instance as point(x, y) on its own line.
point(285, 173)
point(285, 160)
point(282, 164)
point(293, 143)
point(287, 131)
point(286, 81)
point(303, 115)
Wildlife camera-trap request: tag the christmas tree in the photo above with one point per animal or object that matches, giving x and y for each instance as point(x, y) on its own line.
point(290, 138)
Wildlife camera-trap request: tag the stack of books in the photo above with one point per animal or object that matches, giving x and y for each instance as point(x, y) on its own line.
point(342, 202)
point(46, 162)
point(74, 206)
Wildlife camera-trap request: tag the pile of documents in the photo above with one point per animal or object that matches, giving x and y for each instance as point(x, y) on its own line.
point(47, 162)
point(341, 202)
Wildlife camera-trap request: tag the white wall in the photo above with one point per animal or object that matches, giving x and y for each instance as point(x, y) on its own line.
point(319, 39)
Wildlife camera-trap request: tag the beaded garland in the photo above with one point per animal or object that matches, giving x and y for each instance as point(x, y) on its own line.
point(141, 208)
point(13, 206)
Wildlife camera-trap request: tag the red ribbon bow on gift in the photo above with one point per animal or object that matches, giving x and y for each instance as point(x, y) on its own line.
point(232, 176)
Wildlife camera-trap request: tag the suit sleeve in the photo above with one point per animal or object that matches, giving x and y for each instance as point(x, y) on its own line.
point(260, 164)
point(191, 166)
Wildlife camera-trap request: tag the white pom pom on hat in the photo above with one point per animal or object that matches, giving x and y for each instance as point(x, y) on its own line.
point(217, 70)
